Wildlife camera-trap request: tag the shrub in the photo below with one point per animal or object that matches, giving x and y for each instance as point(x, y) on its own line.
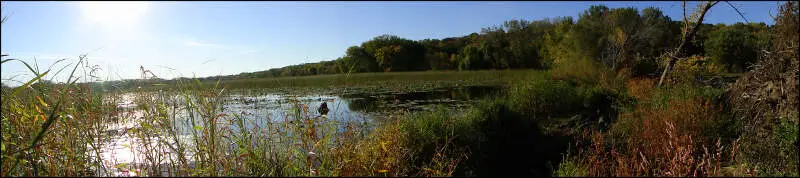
point(694, 69)
point(545, 98)
point(640, 88)
point(580, 71)
point(571, 167)
point(677, 131)
point(512, 143)
point(436, 140)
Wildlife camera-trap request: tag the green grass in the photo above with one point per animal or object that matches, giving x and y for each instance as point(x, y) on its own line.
point(374, 82)
point(570, 168)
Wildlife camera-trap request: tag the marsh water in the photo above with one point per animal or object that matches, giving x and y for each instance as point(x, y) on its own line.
point(122, 149)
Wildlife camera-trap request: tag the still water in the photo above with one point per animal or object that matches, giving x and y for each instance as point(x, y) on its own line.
point(121, 150)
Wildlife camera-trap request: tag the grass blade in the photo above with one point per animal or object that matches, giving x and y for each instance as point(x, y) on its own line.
point(20, 88)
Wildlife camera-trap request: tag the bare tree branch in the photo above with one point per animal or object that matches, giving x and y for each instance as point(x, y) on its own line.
point(737, 11)
point(678, 53)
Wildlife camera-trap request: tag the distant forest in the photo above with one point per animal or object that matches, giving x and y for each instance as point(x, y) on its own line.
point(617, 38)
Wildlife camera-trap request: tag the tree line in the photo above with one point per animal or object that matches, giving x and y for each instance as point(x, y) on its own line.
point(617, 38)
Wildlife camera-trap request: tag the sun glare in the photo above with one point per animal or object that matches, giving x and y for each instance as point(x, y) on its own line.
point(111, 13)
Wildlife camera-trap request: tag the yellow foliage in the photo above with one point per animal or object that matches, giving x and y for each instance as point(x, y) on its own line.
point(690, 68)
point(698, 65)
point(620, 36)
point(640, 88)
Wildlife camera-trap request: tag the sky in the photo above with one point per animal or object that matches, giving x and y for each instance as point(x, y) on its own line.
point(188, 39)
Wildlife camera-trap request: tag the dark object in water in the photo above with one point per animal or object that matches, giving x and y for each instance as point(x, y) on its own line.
point(323, 108)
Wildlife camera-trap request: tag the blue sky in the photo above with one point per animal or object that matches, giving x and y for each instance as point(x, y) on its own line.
point(175, 39)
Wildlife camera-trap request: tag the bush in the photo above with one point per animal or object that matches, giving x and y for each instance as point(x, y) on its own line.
point(579, 71)
point(640, 88)
point(493, 135)
point(545, 98)
point(571, 167)
point(512, 143)
point(675, 131)
point(437, 138)
point(693, 70)
point(681, 140)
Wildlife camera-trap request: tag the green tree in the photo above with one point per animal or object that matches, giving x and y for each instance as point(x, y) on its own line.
point(394, 53)
point(493, 46)
point(470, 57)
point(737, 46)
point(359, 60)
point(588, 35)
point(556, 46)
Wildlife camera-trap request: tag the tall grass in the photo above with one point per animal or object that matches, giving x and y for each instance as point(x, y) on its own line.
point(52, 129)
point(302, 143)
point(389, 81)
point(184, 131)
point(676, 131)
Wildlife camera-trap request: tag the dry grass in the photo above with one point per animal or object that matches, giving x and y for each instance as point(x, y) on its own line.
point(682, 139)
point(640, 89)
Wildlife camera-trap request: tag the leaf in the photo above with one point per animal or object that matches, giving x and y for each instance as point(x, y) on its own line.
point(198, 127)
point(383, 145)
point(2, 147)
point(41, 101)
point(62, 68)
point(29, 66)
point(27, 84)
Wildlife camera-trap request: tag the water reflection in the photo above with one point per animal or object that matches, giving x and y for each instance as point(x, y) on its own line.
point(123, 151)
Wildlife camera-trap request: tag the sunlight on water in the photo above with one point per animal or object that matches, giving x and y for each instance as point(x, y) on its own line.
point(123, 152)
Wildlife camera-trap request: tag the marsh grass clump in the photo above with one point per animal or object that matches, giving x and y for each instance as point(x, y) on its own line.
point(437, 140)
point(679, 130)
point(546, 98)
point(687, 138)
point(493, 136)
point(52, 129)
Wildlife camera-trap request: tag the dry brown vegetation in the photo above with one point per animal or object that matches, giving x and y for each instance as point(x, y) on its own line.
point(765, 99)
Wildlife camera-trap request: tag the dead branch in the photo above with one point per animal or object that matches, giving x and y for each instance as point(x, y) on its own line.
point(678, 52)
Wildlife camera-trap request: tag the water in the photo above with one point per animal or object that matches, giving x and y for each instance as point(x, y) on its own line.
point(122, 150)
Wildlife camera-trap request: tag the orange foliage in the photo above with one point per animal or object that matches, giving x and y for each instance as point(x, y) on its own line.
point(640, 88)
point(660, 142)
